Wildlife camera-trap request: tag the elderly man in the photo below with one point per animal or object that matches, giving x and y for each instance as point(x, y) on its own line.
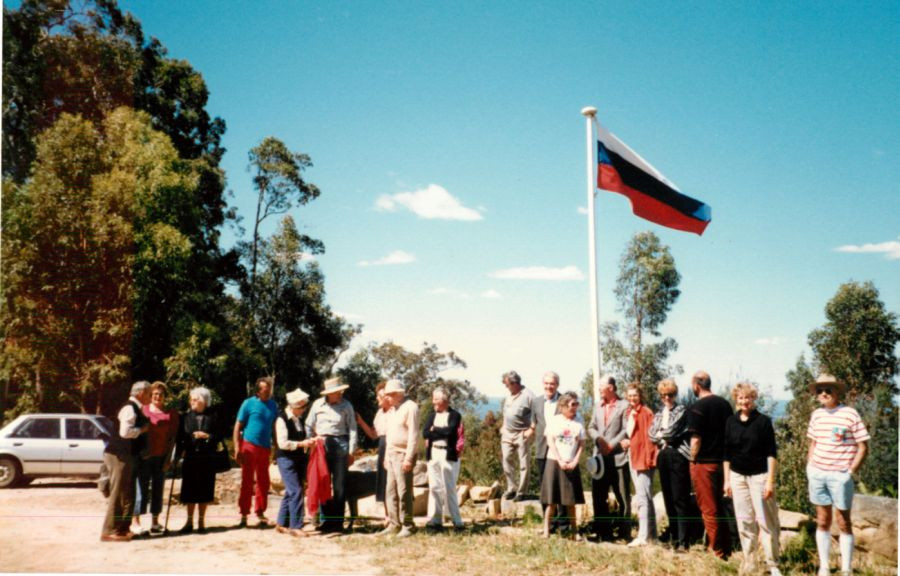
point(252, 449)
point(706, 425)
point(441, 433)
point(543, 408)
point(607, 431)
point(120, 458)
point(838, 443)
point(333, 419)
point(401, 442)
point(515, 435)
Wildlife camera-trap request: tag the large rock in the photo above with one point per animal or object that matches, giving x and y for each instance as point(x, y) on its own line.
point(462, 494)
point(874, 525)
point(420, 501)
point(420, 474)
point(792, 520)
point(484, 493)
point(365, 463)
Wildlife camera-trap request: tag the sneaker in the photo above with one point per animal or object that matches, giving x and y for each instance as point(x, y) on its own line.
point(774, 571)
point(243, 522)
point(262, 521)
point(157, 528)
point(637, 542)
point(404, 532)
point(824, 571)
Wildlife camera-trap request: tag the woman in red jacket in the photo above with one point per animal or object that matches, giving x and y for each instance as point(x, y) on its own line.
point(642, 457)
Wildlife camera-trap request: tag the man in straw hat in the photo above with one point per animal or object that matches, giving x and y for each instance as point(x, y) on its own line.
point(838, 442)
point(333, 419)
point(401, 441)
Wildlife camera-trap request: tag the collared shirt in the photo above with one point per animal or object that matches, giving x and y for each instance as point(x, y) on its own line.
point(128, 419)
point(336, 419)
point(517, 410)
point(550, 407)
point(281, 430)
point(257, 418)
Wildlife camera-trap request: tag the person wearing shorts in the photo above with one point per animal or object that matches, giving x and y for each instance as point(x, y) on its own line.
point(838, 443)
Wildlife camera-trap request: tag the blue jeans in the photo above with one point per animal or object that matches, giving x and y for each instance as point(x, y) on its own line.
point(293, 473)
point(336, 450)
point(149, 481)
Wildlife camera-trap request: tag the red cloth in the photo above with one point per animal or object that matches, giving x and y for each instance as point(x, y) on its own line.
point(318, 479)
point(641, 450)
point(460, 439)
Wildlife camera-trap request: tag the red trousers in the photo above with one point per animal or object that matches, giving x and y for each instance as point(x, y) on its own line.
point(708, 485)
point(254, 461)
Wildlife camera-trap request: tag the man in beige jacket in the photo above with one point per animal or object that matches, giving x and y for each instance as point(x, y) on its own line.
point(401, 441)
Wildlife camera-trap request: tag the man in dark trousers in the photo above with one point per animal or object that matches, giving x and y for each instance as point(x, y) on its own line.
point(122, 452)
point(706, 425)
point(544, 407)
point(607, 430)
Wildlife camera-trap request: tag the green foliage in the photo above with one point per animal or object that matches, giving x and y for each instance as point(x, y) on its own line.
point(790, 436)
point(646, 289)
point(362, 374)
point(480, 463)
point(421, 373)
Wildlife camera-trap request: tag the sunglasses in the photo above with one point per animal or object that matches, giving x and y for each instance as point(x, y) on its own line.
point(667, 395)
point(828, 391)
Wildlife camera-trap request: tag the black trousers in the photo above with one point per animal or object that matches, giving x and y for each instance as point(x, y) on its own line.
point(675, 480)
point(619, 480)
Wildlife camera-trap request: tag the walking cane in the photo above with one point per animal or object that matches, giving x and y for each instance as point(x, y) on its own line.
point(171, 492)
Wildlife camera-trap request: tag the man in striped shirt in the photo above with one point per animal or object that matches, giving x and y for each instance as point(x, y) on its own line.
point(838, 442)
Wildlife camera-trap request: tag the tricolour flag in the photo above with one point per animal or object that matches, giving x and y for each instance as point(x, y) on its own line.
point(652, 196)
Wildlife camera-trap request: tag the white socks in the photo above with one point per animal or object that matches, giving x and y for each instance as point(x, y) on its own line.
point(846, 544)
point(823, 544)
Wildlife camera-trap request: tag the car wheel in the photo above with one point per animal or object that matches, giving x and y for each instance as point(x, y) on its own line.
point(10, 472)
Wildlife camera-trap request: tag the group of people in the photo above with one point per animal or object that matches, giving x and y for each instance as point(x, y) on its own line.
point(705, 453)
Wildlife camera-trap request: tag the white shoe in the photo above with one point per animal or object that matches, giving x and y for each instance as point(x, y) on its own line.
point(824, 571)
point(774, 571)
point(388, 531)
point(405, 532)
point(637, 542)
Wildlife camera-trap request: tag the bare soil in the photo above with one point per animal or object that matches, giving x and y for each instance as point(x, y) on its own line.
point(53, 525)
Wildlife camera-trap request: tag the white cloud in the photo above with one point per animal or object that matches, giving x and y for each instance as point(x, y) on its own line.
point(395, 257)
point(773, 341)
point(891, 250)
point(449, 292)
point(491, 294)
point(431, 203)
point(582, 210)
point(539, 273)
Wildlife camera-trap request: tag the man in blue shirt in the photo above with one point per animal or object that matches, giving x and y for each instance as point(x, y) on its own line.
point(252, 447)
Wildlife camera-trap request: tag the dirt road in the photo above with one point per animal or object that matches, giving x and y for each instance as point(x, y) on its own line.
point(53, 525)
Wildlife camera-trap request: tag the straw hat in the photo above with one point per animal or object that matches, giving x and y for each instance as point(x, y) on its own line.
point(333, 385)
point(827, 380)
point(394, 385)
point(297, 396)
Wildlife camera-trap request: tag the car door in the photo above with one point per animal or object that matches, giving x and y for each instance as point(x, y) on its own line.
point(82, 452)
point(38, 444)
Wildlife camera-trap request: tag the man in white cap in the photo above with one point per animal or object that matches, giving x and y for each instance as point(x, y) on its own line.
point(401, 441)
point(291, 458)
point(838, 443)
point(332, 418)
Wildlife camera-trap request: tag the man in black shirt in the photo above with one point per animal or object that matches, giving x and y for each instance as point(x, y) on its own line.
point(706, 424)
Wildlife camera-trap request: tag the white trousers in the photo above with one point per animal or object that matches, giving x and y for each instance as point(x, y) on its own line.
point(442, 476)
point(757, 519)
point(642, 503)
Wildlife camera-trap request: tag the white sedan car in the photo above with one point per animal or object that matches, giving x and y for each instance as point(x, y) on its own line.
point(35, 445)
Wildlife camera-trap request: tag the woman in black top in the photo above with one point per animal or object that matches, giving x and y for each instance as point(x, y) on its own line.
point(750, 467)
point(198, 437)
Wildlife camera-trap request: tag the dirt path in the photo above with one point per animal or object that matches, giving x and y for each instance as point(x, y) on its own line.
point(54, 526)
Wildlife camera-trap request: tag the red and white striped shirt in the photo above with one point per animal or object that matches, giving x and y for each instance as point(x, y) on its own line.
point(837, 433)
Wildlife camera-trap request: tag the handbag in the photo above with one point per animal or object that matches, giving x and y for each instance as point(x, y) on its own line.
point(221, 459)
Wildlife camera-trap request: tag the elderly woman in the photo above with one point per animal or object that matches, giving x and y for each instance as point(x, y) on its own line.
point(750, 467)
point(561, 482)
point(669, 433)
point(642, 457)
point(198, 437)
point(290, 455)
point(152, 468)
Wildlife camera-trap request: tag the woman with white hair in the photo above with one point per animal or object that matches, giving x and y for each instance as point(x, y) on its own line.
point(198, 438)
point(290, 455)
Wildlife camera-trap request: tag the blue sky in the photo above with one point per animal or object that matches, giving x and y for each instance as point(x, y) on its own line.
point(449, 147)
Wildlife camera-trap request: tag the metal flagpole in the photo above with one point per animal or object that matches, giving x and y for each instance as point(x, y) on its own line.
point(590, 113)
